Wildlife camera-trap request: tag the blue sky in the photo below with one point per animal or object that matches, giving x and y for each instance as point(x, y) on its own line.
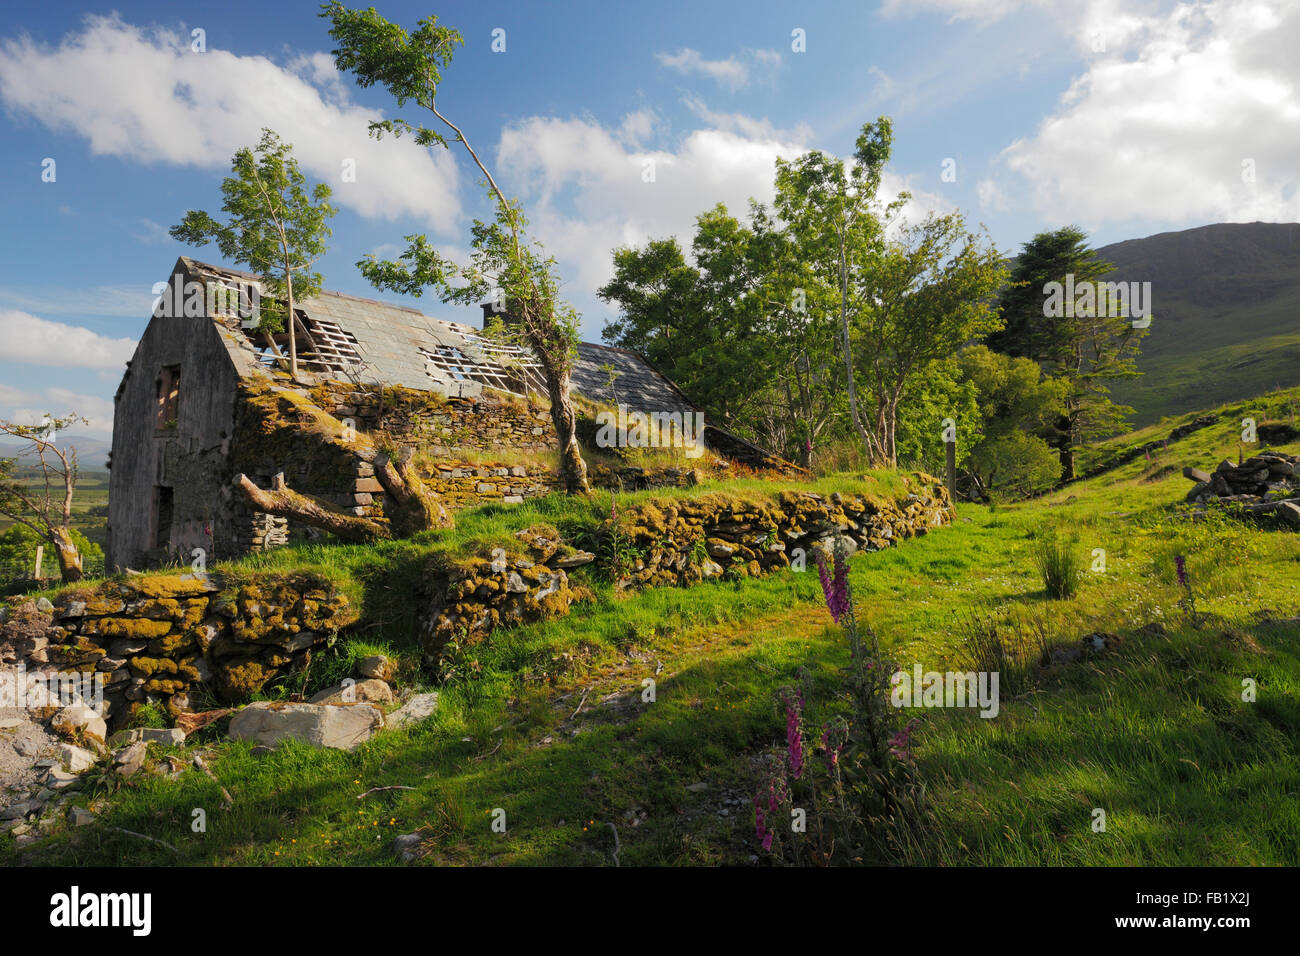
point(1128, 118)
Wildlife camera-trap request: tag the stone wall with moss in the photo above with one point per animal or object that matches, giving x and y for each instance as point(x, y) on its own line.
point(490, 422)
point(523, 579)
point(677, 541)
point(493, 449)
point(684, 540)
point(183, 642)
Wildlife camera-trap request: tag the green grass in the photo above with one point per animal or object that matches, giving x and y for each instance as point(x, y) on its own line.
point(547, 722)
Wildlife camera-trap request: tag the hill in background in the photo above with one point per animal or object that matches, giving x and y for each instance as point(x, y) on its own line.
point(1226, 310)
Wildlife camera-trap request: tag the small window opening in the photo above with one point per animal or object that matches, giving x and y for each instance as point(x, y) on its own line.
point(169, 391)
point(163, 509)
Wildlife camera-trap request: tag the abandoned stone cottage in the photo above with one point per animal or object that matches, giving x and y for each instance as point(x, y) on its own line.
point(202, 400)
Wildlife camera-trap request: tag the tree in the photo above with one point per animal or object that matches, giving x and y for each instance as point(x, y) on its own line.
point(736, 331)
point(18, 546)
point(924, 298)
point(410, 67)
point(276, 227)
point(836, 222)
point(45, 508)
point(1017, 406)
point(1089, 344)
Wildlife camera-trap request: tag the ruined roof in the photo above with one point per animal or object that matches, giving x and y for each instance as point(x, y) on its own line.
point(349, 337)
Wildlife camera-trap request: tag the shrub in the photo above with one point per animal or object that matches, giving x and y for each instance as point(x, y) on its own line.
point(1058, 565)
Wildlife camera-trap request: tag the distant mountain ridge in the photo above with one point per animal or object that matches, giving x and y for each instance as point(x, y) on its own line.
point(1226, 307)
point(91, 452)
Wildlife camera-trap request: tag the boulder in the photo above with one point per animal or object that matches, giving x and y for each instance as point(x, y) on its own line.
point(417, 709)
point(79, 720)
point(129, 760)
point(75, 759)
point(377, 666)
point(371, 689)
point(338, 727)
point(575, 560)
point(167, 737)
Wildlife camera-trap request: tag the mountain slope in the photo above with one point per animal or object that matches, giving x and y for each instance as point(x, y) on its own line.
point(1226, 314)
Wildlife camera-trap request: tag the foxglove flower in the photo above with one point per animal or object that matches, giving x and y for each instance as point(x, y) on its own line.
point(835, 584)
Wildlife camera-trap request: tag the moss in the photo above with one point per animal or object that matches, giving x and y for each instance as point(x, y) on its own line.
point(149, 666)
point(242, 681)
point(162, 686)
point(130, 627)
point(168, 586)
point(169, 644)
point(104, 604)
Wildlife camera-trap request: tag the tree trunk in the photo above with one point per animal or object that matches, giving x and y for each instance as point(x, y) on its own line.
point(415, 507)
point(289, 320)
point(285, 502)
point(69, 556)
point(572, 466)
point(848, 351)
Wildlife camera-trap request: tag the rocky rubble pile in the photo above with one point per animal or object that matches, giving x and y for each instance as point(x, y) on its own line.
point(44, 770)
point(1267, 484)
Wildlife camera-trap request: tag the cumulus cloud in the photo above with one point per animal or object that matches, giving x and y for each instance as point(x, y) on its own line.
point(991, 196)
point(144, 95)
point(1191, 116)
point(588, 191)
point(27, 338)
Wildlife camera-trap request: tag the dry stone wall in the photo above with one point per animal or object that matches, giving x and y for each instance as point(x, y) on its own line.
point(160, 639)
point(682, 541)
point(671, 542)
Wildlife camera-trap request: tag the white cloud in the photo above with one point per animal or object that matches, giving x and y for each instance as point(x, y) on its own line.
point(584, 189)
point(144, 95)
point(991, 196)
point(733, 73)
point(30, 407)
point(585, 192)
point(1163, 123)
point(26, 338)
point(111, 300)
point(747, 126)
point(729, 73)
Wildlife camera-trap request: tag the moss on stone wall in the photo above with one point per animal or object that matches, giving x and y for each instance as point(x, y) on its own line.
point(161, 638)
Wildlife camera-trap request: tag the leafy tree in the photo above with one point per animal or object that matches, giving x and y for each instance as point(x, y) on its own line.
point(44, 506)
point(410, 67)
point(276, 227)
point(734, 330)
point(938, 392)
point(1018, 405)
point(18, 546)
point(927, 295)
point(836, 222)
point(1088, 345)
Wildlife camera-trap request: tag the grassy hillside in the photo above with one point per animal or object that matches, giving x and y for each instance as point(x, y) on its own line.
point(548, 721)
point(1226, 314)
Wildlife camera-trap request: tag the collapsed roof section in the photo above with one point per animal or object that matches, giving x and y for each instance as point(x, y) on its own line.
point(346, 337)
